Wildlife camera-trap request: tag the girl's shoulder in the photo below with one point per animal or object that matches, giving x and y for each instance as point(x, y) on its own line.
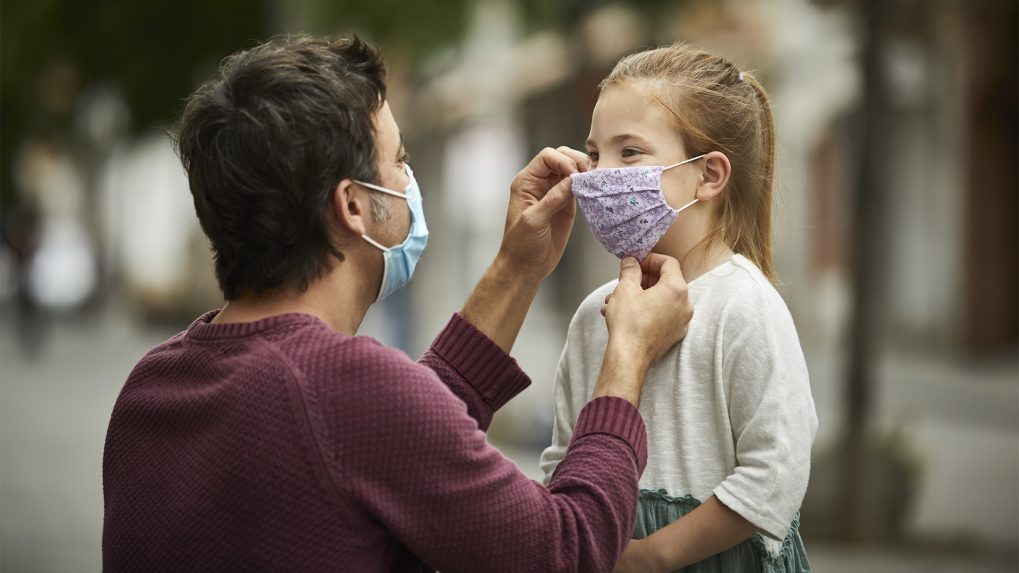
point(740, 291)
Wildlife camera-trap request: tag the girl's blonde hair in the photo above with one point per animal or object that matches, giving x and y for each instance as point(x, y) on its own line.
point(717, 108)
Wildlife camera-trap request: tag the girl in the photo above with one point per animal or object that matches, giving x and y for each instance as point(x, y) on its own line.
point(684, 150)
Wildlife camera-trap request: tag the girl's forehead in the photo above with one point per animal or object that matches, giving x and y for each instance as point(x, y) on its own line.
point(625, 108)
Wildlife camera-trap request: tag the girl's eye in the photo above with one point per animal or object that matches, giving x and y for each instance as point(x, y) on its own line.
point(630, 152)
point(593, 155)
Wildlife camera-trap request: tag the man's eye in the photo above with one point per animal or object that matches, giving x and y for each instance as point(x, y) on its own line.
point(405, 158)
point(630, 152)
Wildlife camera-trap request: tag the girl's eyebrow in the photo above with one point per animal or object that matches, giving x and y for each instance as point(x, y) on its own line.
point(630, 137)
point(624, 137)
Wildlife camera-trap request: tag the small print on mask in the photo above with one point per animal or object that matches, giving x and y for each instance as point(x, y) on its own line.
point(625, 207)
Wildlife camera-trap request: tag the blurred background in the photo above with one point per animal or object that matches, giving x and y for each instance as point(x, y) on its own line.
point(896, 235)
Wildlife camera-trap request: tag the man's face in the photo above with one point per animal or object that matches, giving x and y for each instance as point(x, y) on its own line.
point(391, 166)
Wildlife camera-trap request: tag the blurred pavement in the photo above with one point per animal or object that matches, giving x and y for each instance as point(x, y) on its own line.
point(54, 411)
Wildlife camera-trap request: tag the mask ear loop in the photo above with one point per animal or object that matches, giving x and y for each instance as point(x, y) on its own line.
point(374, 187)
point(681, 209)
point(379, 245)
point(381, 189)
point(685, 161)
point(408, 171)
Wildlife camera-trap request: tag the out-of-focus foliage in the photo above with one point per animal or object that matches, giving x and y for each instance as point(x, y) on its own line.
point(410, 30)
point(153, 52)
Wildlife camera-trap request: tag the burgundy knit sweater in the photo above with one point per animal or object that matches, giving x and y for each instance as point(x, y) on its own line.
point(281, 445)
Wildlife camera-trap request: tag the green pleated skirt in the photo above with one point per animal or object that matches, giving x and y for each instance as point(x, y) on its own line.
point(656, 509)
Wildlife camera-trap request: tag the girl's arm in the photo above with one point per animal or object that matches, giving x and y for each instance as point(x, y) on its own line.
point(705, 531)
point(773, 424)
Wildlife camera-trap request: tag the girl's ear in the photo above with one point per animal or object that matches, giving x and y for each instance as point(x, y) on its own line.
point(715, 176)
point(350, 206)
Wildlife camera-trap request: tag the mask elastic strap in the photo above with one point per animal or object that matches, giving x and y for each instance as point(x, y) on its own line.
point(381, 189)
point(377, 244)
point(684, 162)
point(680, 210)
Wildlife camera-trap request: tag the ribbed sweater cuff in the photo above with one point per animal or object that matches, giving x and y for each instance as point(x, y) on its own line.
point(616, 417)
point(491, 371)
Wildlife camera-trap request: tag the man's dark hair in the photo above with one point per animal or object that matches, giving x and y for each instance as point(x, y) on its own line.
point(264, 144)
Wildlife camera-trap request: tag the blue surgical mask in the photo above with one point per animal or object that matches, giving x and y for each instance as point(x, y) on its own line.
point(401, 259)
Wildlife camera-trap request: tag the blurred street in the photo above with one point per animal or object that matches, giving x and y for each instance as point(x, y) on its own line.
point(894, 227)
point(54, 410)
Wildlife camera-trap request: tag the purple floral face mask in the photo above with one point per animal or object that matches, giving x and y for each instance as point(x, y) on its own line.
point(625, 207)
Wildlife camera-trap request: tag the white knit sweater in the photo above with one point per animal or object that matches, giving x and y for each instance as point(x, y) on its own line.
point(728, 411)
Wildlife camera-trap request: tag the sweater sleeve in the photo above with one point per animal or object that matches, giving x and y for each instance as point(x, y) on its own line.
point(415, 460)
point(772, 415)
point(474, 368)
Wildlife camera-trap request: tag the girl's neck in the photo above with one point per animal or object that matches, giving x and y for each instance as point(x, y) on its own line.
point(698, 258)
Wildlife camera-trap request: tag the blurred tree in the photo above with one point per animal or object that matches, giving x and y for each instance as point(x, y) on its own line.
point(156, 52)
point(867, 270)
point(51, 50)
point(407, 30)
point(413, 30)
point(564, 14)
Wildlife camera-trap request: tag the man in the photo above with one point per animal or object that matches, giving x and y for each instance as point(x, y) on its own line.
point(267, 437)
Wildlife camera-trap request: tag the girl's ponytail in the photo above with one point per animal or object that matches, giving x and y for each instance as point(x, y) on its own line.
point(758, 244)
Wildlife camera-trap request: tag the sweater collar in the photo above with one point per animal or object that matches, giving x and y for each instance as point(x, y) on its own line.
point(203, 328)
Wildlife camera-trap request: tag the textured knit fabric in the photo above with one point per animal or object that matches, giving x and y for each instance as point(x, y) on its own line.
point(657, 509)
point(280, 445)
point(729, 409)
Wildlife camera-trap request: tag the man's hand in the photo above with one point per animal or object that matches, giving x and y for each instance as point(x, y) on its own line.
point(538, 223)
point(647, 314)
point(541, 212)
point(650, 310)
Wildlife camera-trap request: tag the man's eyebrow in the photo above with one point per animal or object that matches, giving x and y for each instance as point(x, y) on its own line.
point(399, 150)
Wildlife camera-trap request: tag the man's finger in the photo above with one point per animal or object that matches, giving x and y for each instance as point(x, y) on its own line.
point(652, 263)
point(549, 162)
point(670, 268)
point(557, 197)
point(629, 271)
point(582, 159)
point(670, 272)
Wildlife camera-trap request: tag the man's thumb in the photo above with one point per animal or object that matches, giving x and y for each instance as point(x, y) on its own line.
point(554, 200)
point(629, 271)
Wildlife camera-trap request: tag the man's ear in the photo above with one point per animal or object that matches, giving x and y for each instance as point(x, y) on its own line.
point(715, 176)
point(350, 205)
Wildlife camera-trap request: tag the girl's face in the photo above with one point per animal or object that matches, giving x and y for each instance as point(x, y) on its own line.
point(630, 127)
